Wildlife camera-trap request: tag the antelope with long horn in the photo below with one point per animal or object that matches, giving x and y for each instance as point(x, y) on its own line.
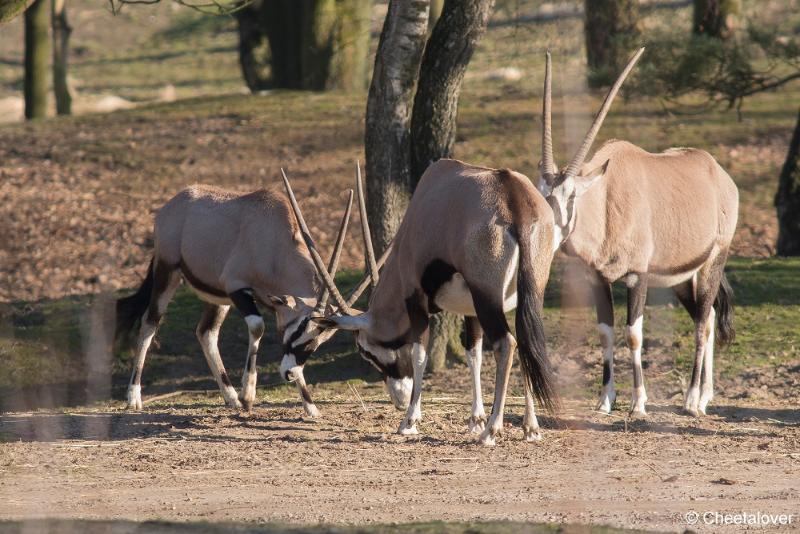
point(240, 250)
point(474, 241)
point(649, 220)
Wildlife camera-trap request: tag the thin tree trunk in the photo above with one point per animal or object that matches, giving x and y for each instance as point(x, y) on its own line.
point(787, 200)
point(348, 61)
point(387, 136)
point(433, 125)
point(36, 55)
point(612, 31)
point(715, 18)
point(61, 33)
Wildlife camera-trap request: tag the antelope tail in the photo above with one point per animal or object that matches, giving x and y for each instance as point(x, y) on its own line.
point(723, 305)
point(530, 331)
point(131, 309)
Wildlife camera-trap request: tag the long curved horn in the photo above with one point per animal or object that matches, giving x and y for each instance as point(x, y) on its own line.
point(333, 266)
point(362, 286)
point(575, 165)
point(548, 161)
point(312, 248)
point(362, 209)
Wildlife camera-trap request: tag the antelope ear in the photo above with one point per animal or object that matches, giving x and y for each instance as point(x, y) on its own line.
point(584, 182)
point(344, 322)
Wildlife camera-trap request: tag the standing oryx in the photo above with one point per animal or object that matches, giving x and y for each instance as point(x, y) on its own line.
point(474, 241)
point(232, 249)
point(660, 220)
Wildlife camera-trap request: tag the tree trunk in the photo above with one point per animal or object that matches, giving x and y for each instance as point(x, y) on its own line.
point(715, 18)
point(36, 54)
point(313, 44)
point(253, 48)
point(435, 13)
point(787, 200)
point(433, 125)
point(9, 9)
point(612, 32)
point(387, 135)
point(61, 32)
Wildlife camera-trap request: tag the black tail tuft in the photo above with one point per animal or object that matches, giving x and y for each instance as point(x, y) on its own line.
point(530, 335)
point(131, 309)
point(723, 305)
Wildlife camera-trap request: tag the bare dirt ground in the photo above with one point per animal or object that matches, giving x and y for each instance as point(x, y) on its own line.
point(188, 458)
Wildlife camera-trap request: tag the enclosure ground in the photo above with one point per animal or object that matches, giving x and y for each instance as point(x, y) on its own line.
point(189, 458)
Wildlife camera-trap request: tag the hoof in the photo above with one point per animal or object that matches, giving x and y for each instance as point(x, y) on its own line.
point(134, 398)
point(532, 434)
point(606, 403)
point(477, 424)
point(703, 404)
point(233, 404)
point(408, 428)
point(638, 412)
point(311, 411)
point(246, 405)
point(487, 439)
point(692, 402)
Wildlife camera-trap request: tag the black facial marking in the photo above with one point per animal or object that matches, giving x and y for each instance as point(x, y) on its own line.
point(301, 352)
point(397, 369)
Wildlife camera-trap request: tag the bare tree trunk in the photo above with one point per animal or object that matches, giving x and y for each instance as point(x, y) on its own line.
point(387, 136)
point(254, 57)
point(612, 32)
point(433, 125)
point(787, 200)
point(11, 8)
point(312, 44)
point(36, 54)
point(61, 33)
point(715, 18)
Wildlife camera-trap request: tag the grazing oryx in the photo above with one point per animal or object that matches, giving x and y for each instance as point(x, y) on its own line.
point(232, 249)
point(660, 220)
point(474, 241)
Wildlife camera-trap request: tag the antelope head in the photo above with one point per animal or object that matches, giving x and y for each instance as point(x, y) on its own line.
point(344, 317)
point(301, 335)
point(562, 188)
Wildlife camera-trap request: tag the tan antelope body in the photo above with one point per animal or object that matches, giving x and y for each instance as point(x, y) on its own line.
point(473, 241)
point(661, 220)
point(231, 249)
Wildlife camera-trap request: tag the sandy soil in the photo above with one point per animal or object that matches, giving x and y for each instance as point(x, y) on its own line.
point(189, 458)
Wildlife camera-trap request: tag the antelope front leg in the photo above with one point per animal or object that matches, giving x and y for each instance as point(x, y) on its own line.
point(504, 352)
point(208, 336)
point(308, 404)
point(637, 296)
point(245, 303)
point(474, 353)
point(604, 303)
point(419, 357)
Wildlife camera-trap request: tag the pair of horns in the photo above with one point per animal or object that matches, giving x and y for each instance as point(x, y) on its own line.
point(329, 285)
point(548, 161)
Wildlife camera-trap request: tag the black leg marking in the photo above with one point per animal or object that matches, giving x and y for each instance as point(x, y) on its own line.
point(417, 315)
point(224, 377)
point(474, 332)
point(490, 316)
point(637, 297)
point(685, 294)
point(244, 302)
point(604, 305)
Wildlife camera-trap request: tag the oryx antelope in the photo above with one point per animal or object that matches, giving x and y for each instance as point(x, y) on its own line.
point(232, 249)
point(658, 220)
point(474, 241)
